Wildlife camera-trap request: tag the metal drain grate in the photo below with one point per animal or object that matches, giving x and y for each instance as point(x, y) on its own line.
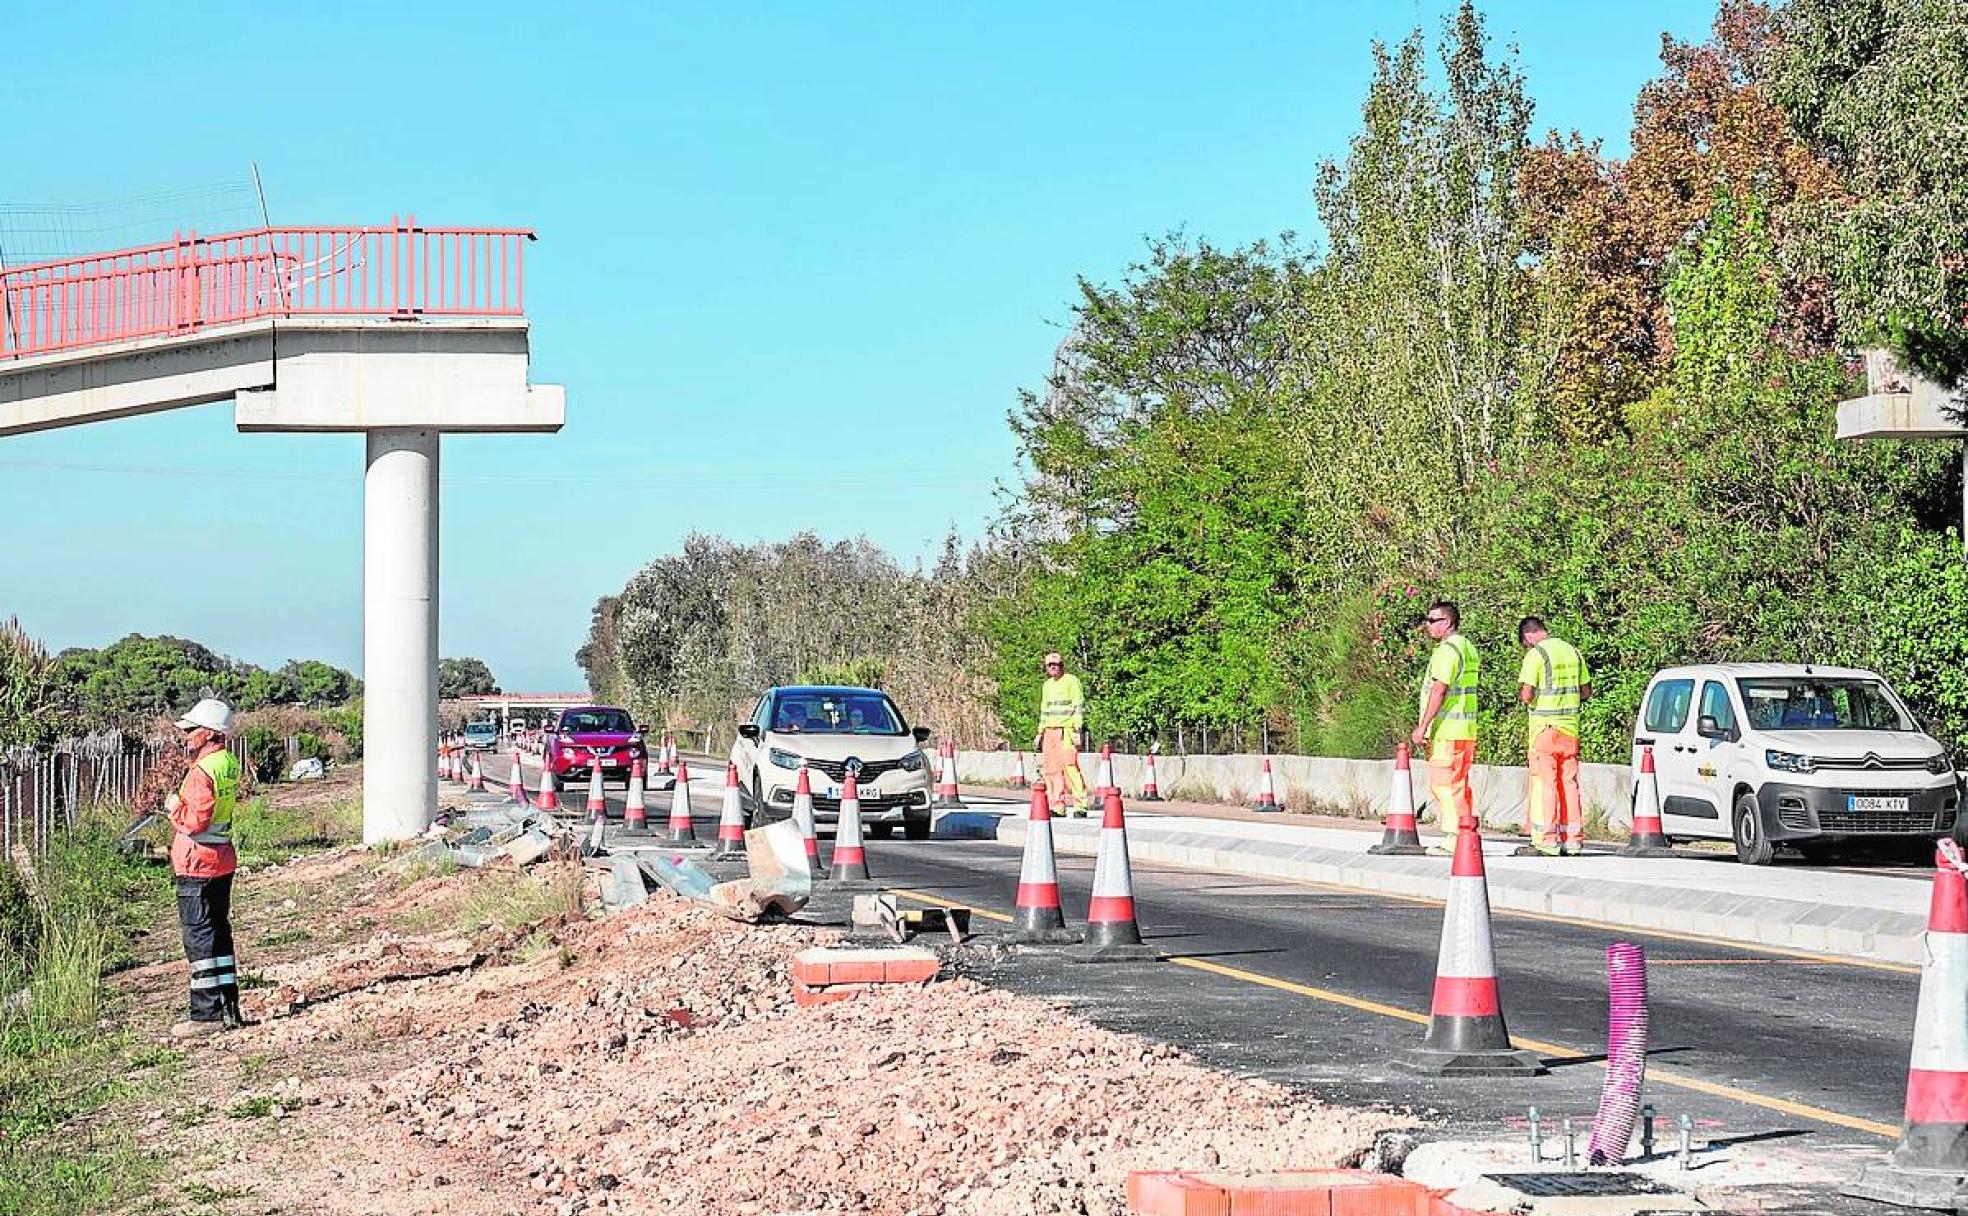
point(1552, 1186)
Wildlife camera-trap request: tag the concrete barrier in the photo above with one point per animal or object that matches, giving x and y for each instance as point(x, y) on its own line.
point(1351, 787)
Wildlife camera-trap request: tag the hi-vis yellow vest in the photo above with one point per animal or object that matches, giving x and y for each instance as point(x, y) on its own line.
point(1555, 670)
point(1454, 664)
point(223, 768)
point(1062, 703)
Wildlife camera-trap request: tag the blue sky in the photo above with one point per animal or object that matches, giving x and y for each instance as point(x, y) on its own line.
point(795, 260)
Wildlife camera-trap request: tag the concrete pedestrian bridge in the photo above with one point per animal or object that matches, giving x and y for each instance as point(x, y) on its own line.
point(402, 333)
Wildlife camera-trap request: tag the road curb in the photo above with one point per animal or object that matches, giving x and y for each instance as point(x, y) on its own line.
point(1875, 934)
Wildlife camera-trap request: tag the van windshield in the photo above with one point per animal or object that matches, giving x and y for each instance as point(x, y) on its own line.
point(1818, 703)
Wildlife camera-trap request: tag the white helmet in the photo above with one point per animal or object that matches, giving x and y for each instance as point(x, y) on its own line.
point(213, 715)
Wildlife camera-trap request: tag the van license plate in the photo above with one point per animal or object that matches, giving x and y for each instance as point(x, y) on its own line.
point(1874, 802)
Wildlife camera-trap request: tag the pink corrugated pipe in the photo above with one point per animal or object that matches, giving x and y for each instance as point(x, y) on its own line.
point(1626, 1054)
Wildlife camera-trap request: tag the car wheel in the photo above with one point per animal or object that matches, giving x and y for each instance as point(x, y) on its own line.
point(1753, 848)
point(915, 829)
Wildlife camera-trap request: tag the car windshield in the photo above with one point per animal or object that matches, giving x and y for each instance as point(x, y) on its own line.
point(481, 728)
point(836, 713)
point(1820, 703)
point(596, 721)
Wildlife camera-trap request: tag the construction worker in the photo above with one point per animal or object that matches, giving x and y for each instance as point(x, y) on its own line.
point(1447, 724)
point(1552, 684)
point(1062, 715)
point(203, 859)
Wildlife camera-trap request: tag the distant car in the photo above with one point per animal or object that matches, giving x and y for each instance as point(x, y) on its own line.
point(581, 734)
point(1765, 754)
point(834, 730)
point(481, 736)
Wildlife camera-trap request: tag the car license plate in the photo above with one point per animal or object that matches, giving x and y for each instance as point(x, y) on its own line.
point(1874, 802)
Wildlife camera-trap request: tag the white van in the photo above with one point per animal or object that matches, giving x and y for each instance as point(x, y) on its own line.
point(1781, 753)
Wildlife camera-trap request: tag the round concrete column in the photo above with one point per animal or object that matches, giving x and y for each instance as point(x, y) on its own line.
point(399, 634)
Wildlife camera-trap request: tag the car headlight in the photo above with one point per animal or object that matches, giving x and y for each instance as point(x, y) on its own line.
point(784, 759)
point(635, 740)
point(914, 761)
point(1939, 764)
point(1790, 762)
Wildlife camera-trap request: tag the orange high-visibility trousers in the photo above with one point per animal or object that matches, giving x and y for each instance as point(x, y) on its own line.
point(1557, 812)
point(1449, 761)
point(1060, 760)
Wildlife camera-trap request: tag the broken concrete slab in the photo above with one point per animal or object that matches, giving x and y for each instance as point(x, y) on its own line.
point(622, 885)
point(534, 845)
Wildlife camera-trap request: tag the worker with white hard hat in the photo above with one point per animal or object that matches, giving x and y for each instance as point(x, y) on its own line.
point(203, 859)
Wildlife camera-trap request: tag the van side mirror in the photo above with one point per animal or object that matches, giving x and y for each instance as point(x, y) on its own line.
point(1708, 728)
point(921, 733)
point(749, 730)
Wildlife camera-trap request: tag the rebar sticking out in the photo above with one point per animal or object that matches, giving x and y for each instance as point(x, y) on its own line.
point(1537, 1139)
point(1647, 1131)
point(1687, 1142)
point(1571, 1145)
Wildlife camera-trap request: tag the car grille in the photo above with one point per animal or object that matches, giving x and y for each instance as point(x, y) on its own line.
point(836, 770)
point(1905, 764)
point(869, 805)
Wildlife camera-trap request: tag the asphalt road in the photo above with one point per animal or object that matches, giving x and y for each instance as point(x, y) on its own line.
point(1326, 989)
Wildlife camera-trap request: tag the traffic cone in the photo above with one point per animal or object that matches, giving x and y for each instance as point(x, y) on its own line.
point(1019, 781)
point(1647, 839)
point(477, 783)
point(1398, 836)
point(1466, 1034)
point(635, 812)
point(1039, 920)
point(664, 758)
point(850, 857)
point(1151, 790)
point(803, 819)
point(1929, 1167)
point(548, 799)
point(731, 824)
point(597, 799)
point(1103, 777)
point(680, 833)
point(443, 760)
point(1112, 936)
point(1267, 793)
point(947, 797)
point(516, 784)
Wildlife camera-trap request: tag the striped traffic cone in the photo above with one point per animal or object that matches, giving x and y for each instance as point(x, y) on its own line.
point(1103, 777)
point(1929, 1168)
point(1151, 790)
point(1466, 1034)
point(443, 760)
point(803, 820)
point(731, 823)
point(548, 799)
point(1112, 936)
point(516, 785)
point(1398, 836)
point(635, 810)
point(1647, 839)
point(1019, 781)
point(597, 798)
point(947, 797)
point(665, 758)
point(681, 832)
point(477, 783)
point(850, 856)
point(1039, 920)
point(1267, 792)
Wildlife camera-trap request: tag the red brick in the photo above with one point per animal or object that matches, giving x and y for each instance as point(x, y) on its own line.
point(910, 971)
point(1170, 1193)
point(803, 995)
point(821, 966)
point(1281, 1193)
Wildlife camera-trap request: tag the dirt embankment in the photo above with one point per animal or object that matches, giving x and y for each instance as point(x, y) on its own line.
point(407, 1060)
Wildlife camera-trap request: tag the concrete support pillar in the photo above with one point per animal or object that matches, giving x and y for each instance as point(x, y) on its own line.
point(399, 634)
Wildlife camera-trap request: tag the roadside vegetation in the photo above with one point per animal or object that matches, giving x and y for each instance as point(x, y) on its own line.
point(1510, 369)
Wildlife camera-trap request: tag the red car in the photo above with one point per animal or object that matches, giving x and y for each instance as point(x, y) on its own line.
point(586, 731)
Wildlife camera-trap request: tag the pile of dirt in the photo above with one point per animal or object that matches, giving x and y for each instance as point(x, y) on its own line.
point(654, 1061)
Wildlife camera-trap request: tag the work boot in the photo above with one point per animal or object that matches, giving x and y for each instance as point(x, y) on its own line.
point(231, 1018)
point(1535, 850)
point(197, 1030)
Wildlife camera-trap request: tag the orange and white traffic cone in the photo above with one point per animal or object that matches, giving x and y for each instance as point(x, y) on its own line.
point(1039, 920)
point(947, 797)
point(1466, 1034)
point(1019, 781)
point(597, 797)
point(731, 823)
point(1103, 777)
point(1398, 836)
point(1267, 791)
point(665, 759)
point(635, 810)
point(548, 800)
point(1929, 1167)
point(477, 783)
point(516, 784)
point(850, 855)
point(443, 760)
point(803, 820)
point(681, 832)
point(1112, 935)
point(1647, 838)
point(1151, 789)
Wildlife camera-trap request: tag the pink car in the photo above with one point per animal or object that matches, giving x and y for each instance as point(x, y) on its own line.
point(581, 734)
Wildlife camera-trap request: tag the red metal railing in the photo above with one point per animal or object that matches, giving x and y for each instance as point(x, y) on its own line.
point(181, 285)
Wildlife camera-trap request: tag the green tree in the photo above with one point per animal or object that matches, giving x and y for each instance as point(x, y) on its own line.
point(465, 677)
point(317, 683)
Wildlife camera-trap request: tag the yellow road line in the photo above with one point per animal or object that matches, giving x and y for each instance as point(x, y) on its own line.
point(1664, 1075)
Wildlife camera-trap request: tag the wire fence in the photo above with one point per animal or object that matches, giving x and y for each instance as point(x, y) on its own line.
point(44, 795)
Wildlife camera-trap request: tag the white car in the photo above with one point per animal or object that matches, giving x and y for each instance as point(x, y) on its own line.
point(1782, 753)
point(834, 730)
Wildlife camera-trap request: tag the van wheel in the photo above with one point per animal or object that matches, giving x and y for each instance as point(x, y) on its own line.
point(1753, 848)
